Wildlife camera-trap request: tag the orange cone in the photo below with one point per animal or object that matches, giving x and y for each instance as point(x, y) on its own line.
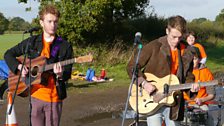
point(10, 119)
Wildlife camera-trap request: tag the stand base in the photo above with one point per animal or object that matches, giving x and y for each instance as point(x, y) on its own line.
point(141, 123)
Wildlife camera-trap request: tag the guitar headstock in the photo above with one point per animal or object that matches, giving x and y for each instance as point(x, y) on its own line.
point(84, 59)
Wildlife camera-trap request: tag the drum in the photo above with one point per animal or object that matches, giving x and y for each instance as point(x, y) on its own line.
point(197, 117)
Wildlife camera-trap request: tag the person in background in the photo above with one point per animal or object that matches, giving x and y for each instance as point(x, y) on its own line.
point(46, 97)
point(190, 38)
point(201, 98)
point(162, 57)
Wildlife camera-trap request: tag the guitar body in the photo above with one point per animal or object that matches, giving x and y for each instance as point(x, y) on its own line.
point(146, 103)
point(38, 66)
point(36, 70)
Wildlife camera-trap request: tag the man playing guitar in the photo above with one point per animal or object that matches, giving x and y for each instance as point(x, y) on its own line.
point(161, 57)
point(46, 96)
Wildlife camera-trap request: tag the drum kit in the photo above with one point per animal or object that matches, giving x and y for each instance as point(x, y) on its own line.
point(195, 117)
point(198, 117)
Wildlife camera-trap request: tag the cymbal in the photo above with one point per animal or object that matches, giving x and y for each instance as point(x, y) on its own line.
point(214, 102)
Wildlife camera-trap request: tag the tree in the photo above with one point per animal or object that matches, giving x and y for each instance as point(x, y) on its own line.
point(88, 19)
point(3, 23)
point(220, 17)
point(18, 24)
point(199, 20)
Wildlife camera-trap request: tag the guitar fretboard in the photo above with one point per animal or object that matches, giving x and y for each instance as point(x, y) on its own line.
point(63, 63)
point(189, 85)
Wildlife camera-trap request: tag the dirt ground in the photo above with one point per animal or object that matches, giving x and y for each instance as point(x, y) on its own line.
point(96, 108)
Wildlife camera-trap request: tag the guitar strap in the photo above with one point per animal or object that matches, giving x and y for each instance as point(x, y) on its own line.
point(180, 72)
point(55, 57)
point(55, 48)
point(176, 112)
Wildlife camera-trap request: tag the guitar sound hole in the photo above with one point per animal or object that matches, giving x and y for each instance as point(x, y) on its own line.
point(148, 103)
point(34, 71)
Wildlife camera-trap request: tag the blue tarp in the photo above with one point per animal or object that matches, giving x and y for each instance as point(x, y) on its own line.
point(4, 70)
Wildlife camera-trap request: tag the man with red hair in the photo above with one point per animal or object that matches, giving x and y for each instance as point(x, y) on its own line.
point(46, 97)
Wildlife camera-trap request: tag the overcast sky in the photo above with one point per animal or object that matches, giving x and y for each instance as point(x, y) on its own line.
point(190, 9)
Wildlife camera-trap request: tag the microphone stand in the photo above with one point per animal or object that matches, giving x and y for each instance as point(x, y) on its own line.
point(29, 83)
point(134, 77)
point(220, 112)
point(132, 51)
point(27, 52)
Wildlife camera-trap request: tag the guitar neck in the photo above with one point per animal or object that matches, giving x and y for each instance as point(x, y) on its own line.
point(189, 85)
point(63, 63)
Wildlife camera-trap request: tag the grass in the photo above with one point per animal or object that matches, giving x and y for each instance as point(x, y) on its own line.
point(117, 71)
point(9, 40)
point(215, 59)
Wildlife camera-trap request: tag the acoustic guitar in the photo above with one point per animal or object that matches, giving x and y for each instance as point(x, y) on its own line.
point(38, 66)
point(167, 88)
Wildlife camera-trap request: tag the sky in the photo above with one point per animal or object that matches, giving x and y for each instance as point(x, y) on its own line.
point(11, 8)
point(189, 9)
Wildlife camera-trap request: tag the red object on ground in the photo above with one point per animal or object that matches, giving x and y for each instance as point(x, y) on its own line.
point(103, 74)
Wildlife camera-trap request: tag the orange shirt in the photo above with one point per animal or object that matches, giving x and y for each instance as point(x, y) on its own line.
point(46, 49)
point(174, 59)
point(46, 93)
point(202, 75)
point(201, 49)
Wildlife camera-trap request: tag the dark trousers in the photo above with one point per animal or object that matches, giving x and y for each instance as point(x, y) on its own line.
point(45, 113)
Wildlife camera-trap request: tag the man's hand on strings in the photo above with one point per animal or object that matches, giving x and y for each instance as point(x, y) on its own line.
point(195, 87)
point(24, 71)
point(58, 70)
point(150, 88)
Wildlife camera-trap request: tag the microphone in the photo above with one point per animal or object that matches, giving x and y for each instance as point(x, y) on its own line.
point(138, 36)
point(31, 30)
